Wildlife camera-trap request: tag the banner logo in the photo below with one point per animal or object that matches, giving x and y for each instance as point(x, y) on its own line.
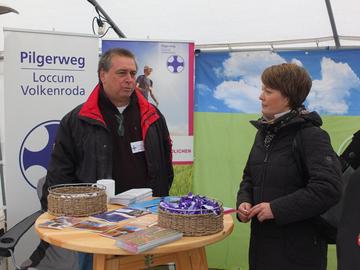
point(175, 64)
point(35, 151)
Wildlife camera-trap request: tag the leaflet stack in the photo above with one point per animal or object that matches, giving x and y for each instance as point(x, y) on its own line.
point(131, 196)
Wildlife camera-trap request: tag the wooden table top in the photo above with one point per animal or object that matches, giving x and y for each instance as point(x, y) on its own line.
point(90, 242)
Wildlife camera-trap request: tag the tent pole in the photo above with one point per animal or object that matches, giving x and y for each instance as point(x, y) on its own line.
point(333, 25)
point(108, 19)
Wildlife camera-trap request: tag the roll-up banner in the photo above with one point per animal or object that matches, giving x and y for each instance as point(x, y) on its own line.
point(46, 74)
point(172, 79)
point(227, 90)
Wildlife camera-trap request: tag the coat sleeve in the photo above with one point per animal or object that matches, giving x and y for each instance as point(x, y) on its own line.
point(245, 190)
point(167, 142)
point(61, 169)
point(323, 188)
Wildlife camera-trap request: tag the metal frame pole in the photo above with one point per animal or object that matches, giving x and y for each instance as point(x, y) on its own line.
point(333, 24)
point(108, 19)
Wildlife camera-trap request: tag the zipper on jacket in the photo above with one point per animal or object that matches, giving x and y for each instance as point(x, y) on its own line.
point(266, 156)
point(266, 159)
point(264, 174)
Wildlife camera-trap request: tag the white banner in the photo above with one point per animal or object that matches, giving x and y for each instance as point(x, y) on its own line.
point(182, 148)
point(172, 79)
point(46, 74)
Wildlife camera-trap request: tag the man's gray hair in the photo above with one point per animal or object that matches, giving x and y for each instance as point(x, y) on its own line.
point(105, 59)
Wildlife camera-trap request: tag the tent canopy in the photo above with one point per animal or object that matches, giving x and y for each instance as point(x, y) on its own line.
point(202, 21)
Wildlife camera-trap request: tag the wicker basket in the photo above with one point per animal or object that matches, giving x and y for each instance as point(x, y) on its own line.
point(192, 224)
point(77, 200)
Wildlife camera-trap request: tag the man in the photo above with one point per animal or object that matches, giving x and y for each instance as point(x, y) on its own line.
point(115, 134)
point(145, 84)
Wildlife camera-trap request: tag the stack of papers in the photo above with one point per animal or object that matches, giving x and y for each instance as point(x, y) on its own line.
point(121, 214)
point(149, 238)
point(131, 196)
point(153, 204)
point(148, 205)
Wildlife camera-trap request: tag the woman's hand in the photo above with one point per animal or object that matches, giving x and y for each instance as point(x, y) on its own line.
point(244, 209)
point(262, 211)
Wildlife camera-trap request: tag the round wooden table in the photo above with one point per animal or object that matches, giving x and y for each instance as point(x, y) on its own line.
point(187, 253)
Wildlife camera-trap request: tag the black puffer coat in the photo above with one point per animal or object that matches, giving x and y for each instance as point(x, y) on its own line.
point(83, 147)
point(290, 241)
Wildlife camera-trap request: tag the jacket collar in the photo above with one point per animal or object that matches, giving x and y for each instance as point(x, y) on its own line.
point(148, 113)
point(90, 108)
point(274, 125)
point(293, 118)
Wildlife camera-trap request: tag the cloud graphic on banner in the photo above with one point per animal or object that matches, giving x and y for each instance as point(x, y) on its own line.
point(218, 72)
point(296, 61)
point(329, 94)
point(242, 95)
point(213, 108)
point(203, 89)
point(239, 96)
point(249, 64)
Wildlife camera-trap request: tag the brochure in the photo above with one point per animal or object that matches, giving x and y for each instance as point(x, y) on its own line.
point(121, 214)
point(131, 196)
point(111, 216)
point(149, 205)
point(52, 225)
point(146, 239)
point(132, 212)
point(117, 231)
point(95, 226)
point(153, 204)
point(144, 221)
point(131, 225)
point(60, 222)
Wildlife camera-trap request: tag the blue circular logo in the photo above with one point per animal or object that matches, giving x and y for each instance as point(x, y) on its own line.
point(175, 64)
point(35, 151)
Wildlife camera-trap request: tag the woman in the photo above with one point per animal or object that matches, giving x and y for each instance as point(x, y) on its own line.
point(273, 194)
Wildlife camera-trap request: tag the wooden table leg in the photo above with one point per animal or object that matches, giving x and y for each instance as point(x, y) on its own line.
point(99, 262)
point(194, 259)
point(198, 259)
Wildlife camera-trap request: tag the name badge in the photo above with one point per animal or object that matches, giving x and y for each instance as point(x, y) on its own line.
point(137, 147)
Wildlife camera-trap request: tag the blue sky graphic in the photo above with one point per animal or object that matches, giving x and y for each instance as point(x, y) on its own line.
point(230, 82)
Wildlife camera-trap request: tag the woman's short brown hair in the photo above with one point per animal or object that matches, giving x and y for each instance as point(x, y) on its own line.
point(293, 81)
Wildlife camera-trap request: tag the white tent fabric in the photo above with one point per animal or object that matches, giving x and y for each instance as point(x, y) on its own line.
point(233, 23)
point(202, 21)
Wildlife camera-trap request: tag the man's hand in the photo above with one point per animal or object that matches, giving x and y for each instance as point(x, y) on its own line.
point(244, 209)
point(262, 211)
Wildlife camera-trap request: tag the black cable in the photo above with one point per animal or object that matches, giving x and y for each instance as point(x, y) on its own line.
point(100, 23)
point(92, 25)
point(105, 32)
point(108, 20)
point(100, 15)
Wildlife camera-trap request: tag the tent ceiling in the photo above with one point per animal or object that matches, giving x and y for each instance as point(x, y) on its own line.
point(203, 21)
